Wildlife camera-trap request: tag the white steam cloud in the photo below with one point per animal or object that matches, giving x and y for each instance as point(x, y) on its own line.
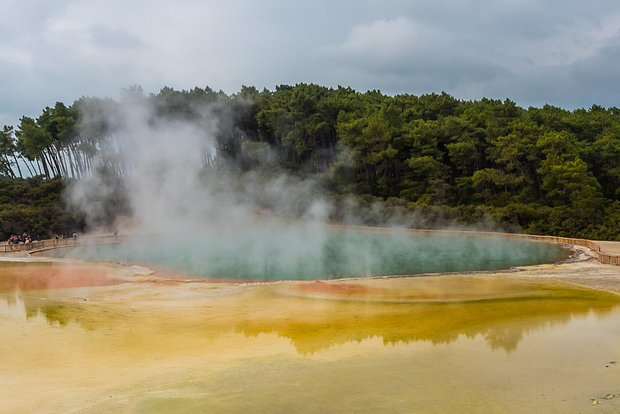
point(190, 210)
point(162, 164)
point(175, 199)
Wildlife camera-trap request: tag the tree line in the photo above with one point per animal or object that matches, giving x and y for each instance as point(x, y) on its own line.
point(540, 170)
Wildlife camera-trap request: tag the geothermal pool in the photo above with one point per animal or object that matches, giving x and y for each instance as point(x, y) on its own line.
point(296, 253)
point(97, 337)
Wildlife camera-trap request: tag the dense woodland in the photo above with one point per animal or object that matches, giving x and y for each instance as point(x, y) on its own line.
point(537, 170)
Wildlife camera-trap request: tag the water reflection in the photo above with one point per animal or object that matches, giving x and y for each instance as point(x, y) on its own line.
point(372, 346)
point(502, 323)
point(12, 305)
point(31, 289)
point(313, 325)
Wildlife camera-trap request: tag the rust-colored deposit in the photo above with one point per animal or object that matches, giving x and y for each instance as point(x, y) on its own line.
point(344, 289)
point(414, 289)
point(44, 276)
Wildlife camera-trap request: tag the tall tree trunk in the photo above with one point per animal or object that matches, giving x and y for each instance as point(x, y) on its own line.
point(38, 164)
point(71, 164)
point(28, 164)
point(44, 163)
point(53, 156)
point(6, 166)
point(19, 170)
point(77, 159)
point(62, 162)
point(77, 156)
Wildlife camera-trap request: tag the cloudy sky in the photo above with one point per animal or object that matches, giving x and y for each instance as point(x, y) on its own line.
point(565, 53)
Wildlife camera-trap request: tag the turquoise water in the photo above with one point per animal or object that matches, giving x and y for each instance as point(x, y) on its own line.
point(302, 254)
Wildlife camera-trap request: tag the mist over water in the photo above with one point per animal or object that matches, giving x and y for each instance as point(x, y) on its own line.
point(191, 211)
point(277, 252)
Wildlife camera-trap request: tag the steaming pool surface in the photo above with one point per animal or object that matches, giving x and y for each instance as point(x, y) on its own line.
point(308, 253)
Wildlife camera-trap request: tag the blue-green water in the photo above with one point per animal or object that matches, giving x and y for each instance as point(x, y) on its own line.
point(302, 254)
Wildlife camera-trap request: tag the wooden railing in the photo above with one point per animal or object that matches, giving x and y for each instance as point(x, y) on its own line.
point(54, 243)
point(595, 248)
point(89, 240)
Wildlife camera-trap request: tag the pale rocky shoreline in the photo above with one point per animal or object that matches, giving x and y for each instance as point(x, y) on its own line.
point(581, 269)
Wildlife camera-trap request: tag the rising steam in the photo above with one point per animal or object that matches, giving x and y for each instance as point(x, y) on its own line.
point(175, 198)
point(189, 207)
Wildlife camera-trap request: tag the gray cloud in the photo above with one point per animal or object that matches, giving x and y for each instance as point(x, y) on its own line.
point(401, 52)
point(560, 52)
point(583, 82)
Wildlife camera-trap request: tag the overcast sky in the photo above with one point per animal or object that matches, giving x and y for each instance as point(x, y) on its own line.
point(566, 53)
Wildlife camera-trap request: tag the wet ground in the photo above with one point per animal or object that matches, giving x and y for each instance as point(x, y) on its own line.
point(96, 338)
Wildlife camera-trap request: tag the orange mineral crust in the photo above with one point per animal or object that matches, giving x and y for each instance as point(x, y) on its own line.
point(44, 276)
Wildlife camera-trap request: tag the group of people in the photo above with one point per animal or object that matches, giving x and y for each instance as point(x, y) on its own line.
point(26, 238)
point(21, 238)
point(62, 236)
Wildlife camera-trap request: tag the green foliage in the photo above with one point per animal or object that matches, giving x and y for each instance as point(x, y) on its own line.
point(540, 170)
point(35, 206)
